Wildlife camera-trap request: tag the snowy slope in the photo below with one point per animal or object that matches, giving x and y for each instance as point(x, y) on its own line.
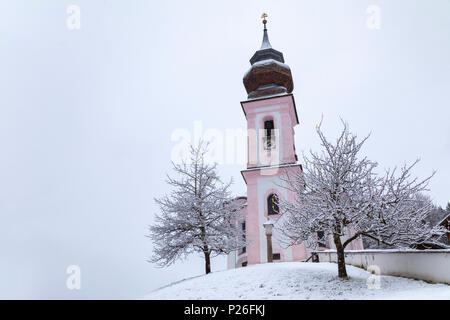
point(297, 280)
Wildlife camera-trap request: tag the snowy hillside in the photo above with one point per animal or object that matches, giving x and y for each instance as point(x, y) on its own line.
point(297, 280)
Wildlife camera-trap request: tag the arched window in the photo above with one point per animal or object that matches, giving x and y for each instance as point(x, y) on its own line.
point(268, 134)
point(272, 204)
point(268, 127)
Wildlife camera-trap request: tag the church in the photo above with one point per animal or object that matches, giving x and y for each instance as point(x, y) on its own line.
point(271, 115)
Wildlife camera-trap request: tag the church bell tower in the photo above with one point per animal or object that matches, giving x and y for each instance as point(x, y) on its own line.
point(271, 116)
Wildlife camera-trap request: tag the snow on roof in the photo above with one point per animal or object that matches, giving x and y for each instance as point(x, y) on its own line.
point(445, 218)
point(267, 62)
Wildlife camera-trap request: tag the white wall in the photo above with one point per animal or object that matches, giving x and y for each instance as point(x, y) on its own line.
point(428, 265)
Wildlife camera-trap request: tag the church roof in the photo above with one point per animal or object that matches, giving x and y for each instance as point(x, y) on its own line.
point(266, 52)
point(268, 74)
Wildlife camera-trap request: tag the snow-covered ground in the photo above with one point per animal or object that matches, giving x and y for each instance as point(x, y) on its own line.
point(298, 280)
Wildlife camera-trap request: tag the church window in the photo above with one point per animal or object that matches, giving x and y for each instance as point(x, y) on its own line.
point(268, 127)
point(272, 204)
point(276, 256)
point(321, 239)
point(268, 134)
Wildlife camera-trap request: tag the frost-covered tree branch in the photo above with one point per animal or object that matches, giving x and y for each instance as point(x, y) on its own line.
point(199, 215)
point(339, 191)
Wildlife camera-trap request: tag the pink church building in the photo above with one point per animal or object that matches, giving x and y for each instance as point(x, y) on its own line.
point(271, 115)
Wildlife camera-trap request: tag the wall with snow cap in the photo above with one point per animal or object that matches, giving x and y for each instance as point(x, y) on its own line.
point(428, 265)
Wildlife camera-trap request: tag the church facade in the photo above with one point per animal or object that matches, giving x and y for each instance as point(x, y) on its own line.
point(271, 115)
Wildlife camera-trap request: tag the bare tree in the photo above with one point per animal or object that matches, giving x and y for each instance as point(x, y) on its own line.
point(199, 215)
point(340, 192)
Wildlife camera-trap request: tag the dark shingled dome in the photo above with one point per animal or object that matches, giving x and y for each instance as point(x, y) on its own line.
point(268, 74)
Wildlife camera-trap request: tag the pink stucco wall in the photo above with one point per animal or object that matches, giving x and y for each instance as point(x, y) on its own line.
point(255, 218)
point(282, 110)
point(262, 180)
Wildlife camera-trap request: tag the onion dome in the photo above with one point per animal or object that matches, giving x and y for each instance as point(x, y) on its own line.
point(268, 75)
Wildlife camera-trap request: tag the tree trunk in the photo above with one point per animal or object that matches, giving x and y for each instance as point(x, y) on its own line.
point(207, 262)
point(206, 251)
point(342, 271)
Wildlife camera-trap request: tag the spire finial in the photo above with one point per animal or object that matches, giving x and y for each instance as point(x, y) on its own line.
point(265, 43)
point(264, 16)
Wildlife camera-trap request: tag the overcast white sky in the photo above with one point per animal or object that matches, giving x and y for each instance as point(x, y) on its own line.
point(86, 116)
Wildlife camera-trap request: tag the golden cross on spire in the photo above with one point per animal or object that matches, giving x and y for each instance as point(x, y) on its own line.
point(264, 16)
